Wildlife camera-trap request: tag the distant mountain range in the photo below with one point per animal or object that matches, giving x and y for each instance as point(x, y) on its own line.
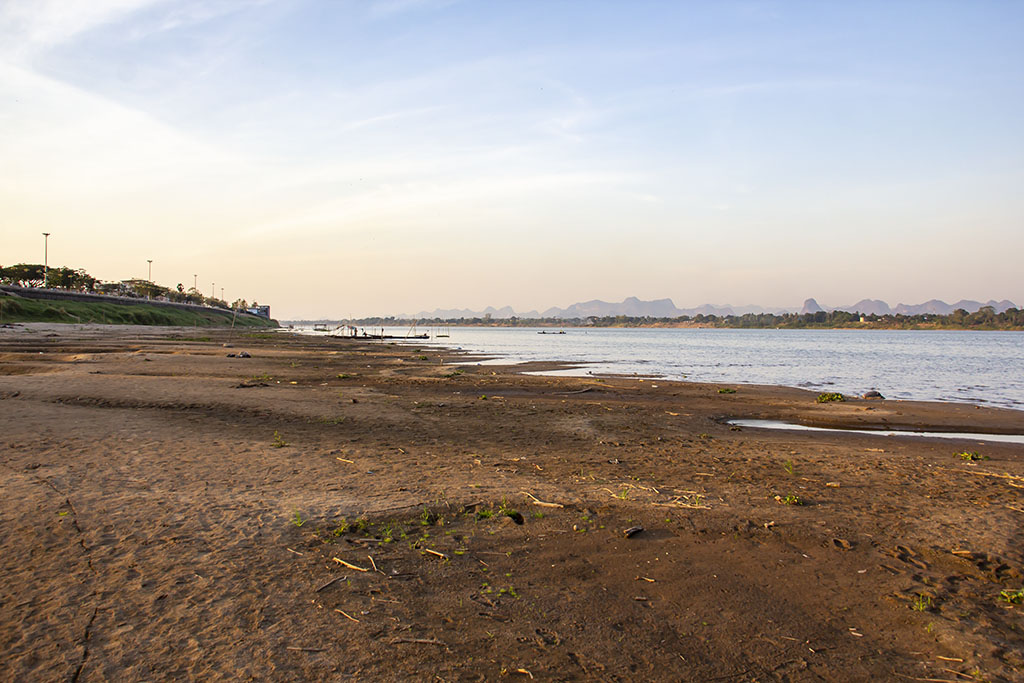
point(665, 308)
point(933, 307)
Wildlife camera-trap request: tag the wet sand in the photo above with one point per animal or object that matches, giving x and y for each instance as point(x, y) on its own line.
point(336, 509)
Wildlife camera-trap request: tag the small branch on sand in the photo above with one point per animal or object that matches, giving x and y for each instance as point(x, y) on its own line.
point(419, 641)
point(330, 583)
point(350, 462)
point(294, 551)
point(349, 565)
point(346, 615)
point(306, 649)
point(434, 552)
point(1011, 477)
point(541, 502)
point(677, 503)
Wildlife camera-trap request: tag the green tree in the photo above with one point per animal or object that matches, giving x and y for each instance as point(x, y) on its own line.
point(23, 275)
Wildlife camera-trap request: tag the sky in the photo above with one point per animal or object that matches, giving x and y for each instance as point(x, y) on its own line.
point(344, 158)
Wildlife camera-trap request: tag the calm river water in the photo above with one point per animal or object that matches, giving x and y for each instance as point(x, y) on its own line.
point(967, 366)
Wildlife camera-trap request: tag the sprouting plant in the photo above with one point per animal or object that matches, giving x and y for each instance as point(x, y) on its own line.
point(484, 514)
point(703, 435)
point(483, 397)
point(1012, 597)
point(344, 375)
point(454, 373)
point(343, 527)
point(538, 515)
point(506, 509)
point(386, 532)
point(279, 441)
point(727, 390)
point(971, 456)
point(788, 466)
point(790, 499)
point(421, 357)
point(830, 397)
point(623, 494)
point(297, 519)
point(427, 518)
point(361, 525)
point(262, 377)
point(921, 603)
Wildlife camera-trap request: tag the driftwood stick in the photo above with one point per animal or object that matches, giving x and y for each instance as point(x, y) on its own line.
point(349, 565)
point(330, 583)
point(419, 641)
point(993, 474)
point(541, 502)
point(346, 615)
point(434, 552)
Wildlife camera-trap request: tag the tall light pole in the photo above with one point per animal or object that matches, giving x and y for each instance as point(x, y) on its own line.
point(46, 257)
point(150, 262)
point(213, 288)
point(195, 282)
point(222, 294)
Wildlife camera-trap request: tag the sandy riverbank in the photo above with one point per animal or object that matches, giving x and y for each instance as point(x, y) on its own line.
point(168, 512)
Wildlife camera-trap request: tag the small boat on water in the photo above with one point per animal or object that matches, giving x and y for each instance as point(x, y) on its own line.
point(546, 332)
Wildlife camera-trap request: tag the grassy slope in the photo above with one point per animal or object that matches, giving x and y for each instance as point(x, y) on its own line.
point(15, 309)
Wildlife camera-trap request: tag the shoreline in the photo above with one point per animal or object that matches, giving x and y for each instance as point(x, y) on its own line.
point(567, 368)
point(182, 511)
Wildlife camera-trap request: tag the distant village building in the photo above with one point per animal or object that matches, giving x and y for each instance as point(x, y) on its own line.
point(262, 311)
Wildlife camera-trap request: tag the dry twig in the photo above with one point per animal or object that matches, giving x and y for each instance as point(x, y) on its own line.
point(349, 565)
point(330, 583)
point(419, 641)
point(541, 502)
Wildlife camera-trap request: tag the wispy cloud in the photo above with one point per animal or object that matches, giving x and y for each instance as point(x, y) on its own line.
point(380, 9)
point(63, 139)
point(389, 117)
point(29, 27)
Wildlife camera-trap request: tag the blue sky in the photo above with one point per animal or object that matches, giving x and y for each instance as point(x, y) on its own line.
point(352, 158)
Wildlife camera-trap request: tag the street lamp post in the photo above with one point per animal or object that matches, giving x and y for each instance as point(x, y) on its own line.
point(213, 289)
point(46, 257)
point(222, 294)
point(150, 262)
point(195, 282)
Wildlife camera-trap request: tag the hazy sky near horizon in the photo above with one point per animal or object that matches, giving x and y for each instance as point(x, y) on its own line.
point(350, 158)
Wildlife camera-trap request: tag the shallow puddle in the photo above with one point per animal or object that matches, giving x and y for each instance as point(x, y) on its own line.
point(778, 424)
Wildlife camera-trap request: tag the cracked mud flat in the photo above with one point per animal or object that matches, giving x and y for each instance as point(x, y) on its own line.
point(169, 513)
